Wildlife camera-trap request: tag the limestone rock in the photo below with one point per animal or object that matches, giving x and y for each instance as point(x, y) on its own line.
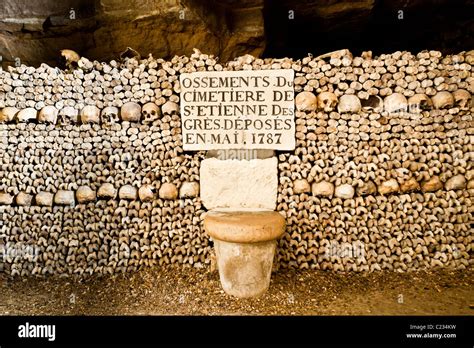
point(239, 183)
point(241, 154)
point(128, 192)
point(433, 184)
point(344, 191)
point(189, 189)
point(323, 188)
point(36, 33)
point(301, 186)
point(85, 194)
point(44, 199)
point(63, 197)
point(227, 28)
point(457, 182)
point(168, 191)
point(107, 191)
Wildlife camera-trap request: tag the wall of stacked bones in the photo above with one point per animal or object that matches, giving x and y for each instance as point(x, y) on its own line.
point(94, 178)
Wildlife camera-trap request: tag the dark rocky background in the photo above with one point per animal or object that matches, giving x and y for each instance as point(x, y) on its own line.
point(35, 30)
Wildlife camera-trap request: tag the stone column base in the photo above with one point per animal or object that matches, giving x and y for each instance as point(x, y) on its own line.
point(245, 269)
point(245, 243)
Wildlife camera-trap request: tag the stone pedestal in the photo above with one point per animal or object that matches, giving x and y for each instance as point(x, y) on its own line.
point(245, 243)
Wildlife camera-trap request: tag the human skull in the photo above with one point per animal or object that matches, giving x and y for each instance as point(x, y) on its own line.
point(8, 114)
point(327, 101)
point(146, 193)
point(462, 98)
point(110, 115)
point(372, 103)
point(90, 114)
point(107, 190)
point(470, 57)
point(322, 188)
point(169, 108)
point(85, 194)
point(189, 189)
point(344, 191)
point(395, 102)
point(443, 100)
point(26, 115)
point(409, 185)
point(349, 103)
point(131, 112)
point(128, 192)
point(68, 115)
point(366, 188)
point(306, 101)
point(150, 112)
point(457, 182)
point(388, 187)
point(48, 114)
point(419, 102)
point(168, 191)
point(70, 57)
point(85, 64)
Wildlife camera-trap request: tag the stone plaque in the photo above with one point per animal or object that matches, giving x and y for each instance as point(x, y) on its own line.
point(238, 110)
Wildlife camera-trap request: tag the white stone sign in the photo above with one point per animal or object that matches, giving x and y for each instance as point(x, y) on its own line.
point(238, 110)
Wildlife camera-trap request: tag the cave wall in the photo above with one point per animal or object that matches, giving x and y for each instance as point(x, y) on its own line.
point(35, 31)
point(380, 26)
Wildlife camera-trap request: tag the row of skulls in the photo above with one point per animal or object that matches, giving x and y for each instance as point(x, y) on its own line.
point(131, 112)
point(305, 101)
point(328, 101)
point(390, 186)
point(85, 194)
